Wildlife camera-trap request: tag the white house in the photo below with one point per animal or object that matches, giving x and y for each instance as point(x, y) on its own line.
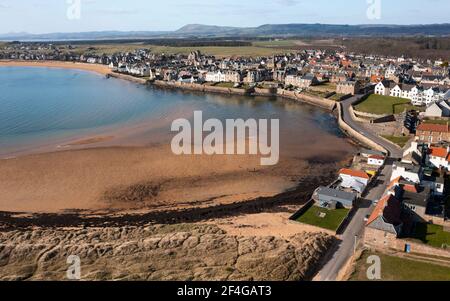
point(354, 179)
point(439, 157)
point(384, 87)
point(215, 77)
point(375, 160)
point(407, 171)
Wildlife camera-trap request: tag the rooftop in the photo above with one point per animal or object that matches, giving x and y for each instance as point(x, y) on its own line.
point(336, 193)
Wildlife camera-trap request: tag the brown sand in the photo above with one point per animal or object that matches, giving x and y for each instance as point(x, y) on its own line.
point(134, 178)
point(265, 224)
point(101, 69)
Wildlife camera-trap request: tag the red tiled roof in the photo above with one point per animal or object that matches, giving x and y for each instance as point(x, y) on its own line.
point(378, 209)
point(394, 182)
point(354, 173)
point(439, 152)
point(440, 128)
point(410, 188)
point(389, 207)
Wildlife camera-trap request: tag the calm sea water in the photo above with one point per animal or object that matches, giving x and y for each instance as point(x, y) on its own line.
point(41, 106)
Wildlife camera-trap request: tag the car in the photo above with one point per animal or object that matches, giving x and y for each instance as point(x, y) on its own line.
point(366, 218)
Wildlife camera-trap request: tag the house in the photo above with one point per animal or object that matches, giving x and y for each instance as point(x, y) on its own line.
point(436, 184)
point(385, 223)
point(215, 77)
point(433, 133)
point(348, 87)
point(415, 203)
point(333, 198)
point(408, 172)
point(438, 110)
point(354, 179)
point(384, 87)
point(376, 160)
point(303, 82)
point(414, 154)
point(439, 157)
point(233, 76)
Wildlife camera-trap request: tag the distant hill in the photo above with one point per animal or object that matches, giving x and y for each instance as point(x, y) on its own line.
point(267, 30)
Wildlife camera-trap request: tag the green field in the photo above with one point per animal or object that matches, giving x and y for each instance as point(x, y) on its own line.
point(331, 221)
point(433, 235)
point(219, 51)
point(336, 97)
point(325, 87)
point(399, 140)
point(401, 269)
point(385, 105)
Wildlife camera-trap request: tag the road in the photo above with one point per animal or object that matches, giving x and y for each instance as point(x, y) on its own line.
point(346, 247)
point(355, 229)
point(394, 151)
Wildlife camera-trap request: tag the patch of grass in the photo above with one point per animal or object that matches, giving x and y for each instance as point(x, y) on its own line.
point(324, 87)
point(399, 140)
point(336, 97)
point(400, 269)
point(331, 221)
point(385, 105)
point(432, 235)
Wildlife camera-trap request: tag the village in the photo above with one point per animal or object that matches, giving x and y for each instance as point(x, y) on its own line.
point(396, 193)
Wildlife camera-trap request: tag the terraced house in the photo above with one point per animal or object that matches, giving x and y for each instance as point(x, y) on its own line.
point(433, 133)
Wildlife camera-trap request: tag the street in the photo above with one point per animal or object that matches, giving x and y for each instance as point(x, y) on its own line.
point(355, 229)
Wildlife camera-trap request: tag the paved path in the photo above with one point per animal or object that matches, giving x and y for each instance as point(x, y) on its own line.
point(355, 229)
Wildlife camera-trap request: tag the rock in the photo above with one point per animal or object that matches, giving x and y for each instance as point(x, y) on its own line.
point(159, 252)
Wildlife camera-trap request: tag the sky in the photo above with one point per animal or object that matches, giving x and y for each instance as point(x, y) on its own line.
point(46, 16)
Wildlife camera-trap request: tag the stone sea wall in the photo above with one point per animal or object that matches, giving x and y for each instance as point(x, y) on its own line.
point(202, 88)
point(356, 135)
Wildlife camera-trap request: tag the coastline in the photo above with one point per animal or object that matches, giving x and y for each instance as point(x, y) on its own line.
point(198, 196)
point(323, 103)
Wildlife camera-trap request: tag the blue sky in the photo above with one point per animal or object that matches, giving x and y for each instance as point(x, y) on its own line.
point(43, 16)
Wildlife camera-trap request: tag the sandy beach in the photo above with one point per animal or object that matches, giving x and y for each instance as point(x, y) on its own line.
point(100, 69)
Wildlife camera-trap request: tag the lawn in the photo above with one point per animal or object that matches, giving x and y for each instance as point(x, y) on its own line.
point(433, 235)
point(385, 105)
point(325, 87)
point(401, 269)
point(399, 140)
point(331, 221)
point(336, 97)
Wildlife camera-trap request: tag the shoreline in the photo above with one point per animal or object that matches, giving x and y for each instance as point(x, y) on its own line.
point(83, 142)
point(322, 103)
